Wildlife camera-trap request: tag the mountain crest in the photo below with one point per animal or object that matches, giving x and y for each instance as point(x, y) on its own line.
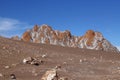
point(45, 34)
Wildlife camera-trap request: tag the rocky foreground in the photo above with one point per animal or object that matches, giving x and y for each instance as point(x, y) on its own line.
point(31, 61)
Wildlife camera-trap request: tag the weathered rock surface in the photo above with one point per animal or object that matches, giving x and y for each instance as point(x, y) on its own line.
point(28, 60)
point(50, 75)
point(32, 61)
point(45, 34)
point(13, 77)
point(15, 38)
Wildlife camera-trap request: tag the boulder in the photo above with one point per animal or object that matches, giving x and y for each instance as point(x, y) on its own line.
point(32, 61)
point(50, 75)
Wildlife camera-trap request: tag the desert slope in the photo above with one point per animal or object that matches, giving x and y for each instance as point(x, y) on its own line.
point(73, 63)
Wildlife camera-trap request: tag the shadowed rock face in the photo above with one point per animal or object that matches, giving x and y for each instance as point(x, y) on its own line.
point(45, 34)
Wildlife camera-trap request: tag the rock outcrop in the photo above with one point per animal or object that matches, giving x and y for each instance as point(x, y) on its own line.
point(50, 75)
point(45, 34)
point(15, 38)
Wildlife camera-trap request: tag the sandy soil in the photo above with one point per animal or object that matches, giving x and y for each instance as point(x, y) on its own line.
point(76, 64)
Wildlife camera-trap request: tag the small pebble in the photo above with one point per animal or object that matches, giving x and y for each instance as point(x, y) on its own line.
point(57, 67)
point(80, 60)
point(7, 67)
point(64, 62)
point(63, 78)
point(4, 47)
point(35, 74)
point(44, 55)
point(14, 64)
point(1, 75)
point(13, 77)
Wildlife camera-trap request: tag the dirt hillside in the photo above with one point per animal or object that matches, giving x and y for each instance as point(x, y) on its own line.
point(71, 63)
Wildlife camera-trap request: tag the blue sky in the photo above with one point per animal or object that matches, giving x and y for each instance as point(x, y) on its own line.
point(78, 16)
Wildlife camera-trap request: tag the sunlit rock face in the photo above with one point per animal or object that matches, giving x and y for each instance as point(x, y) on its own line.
point(90, 40)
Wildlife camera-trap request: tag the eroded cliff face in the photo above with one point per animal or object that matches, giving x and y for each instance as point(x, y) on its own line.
point(45, 34)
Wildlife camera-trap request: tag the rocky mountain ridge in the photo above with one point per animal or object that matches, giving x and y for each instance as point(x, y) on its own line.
point(45, 34)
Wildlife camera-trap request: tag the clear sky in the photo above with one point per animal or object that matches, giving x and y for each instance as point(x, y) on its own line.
point(78, 16)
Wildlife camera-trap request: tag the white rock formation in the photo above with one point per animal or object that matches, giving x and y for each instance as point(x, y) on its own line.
point(45, 34)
